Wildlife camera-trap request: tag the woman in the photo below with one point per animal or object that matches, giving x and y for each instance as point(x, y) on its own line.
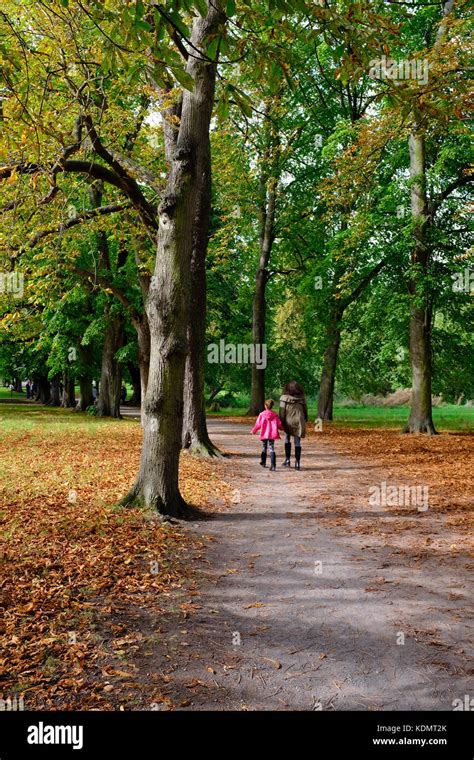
point(293, 415)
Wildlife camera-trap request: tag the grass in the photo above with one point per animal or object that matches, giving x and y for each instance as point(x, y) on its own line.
point(36, 418)
point(7, 393)
point(449, 417)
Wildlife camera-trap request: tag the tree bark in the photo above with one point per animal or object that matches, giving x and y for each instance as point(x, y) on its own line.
point(108, 403)
point(333, 335)
point(259, 308)
point(421, 412)
point(259, 305)
point(328, 375)
point(167, 305)
point(68, 400)
point(87, 399)
point(268, 192)
point(43, 393)
point(421, 416)
point(195, 435)
point(84, 377)
point(144, 348)
point(55, 399)
point(134, 373)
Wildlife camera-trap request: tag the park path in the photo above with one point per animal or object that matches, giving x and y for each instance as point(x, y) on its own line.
point(300, 611)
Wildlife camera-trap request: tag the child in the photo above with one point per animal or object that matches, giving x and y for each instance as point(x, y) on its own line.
point(269, 424)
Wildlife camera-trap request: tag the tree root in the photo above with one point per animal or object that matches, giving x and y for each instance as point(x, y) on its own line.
point(204, 448)
point(426, 426)
point(177, 509)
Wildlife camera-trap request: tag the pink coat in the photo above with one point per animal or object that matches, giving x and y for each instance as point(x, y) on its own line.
point(269, 423)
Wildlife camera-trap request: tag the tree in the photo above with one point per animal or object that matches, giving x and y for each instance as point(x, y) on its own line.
point(168, 301)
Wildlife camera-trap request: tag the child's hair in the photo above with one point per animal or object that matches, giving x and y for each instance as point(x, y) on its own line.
point(269, 403)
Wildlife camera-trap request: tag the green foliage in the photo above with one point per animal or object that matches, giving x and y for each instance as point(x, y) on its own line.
point(296, 105)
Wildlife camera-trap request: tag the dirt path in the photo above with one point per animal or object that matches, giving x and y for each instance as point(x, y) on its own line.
point(300, 611)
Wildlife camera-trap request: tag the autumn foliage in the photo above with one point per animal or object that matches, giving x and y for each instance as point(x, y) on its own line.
point(75, 561)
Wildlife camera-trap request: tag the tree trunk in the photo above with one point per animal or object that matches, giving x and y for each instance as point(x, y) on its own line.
point(257, 397)
point(43, 394)
point(328, 375)
point(268, 194)
point(68, 400)
point(167, 305)
point(85, 380)
point(134, 373)
point(337, 308)
point(421, 413)
point(87, 399)
point(195, 436)
point(421, 418)
point(108, 403)
point(144, 348)
point(55, 399)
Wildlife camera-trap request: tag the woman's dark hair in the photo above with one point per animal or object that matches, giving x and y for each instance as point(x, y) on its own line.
point(293, 388)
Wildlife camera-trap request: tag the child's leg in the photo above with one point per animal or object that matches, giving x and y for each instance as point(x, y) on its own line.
point(263, 456)
point(272, 455)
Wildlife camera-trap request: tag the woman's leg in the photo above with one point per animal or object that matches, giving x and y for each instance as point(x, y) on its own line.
point(286, 463)
point(297, 452)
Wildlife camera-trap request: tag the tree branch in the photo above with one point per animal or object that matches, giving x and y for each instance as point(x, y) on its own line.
point(363, 283)
point(79, 219)
point(464, 179)
point(94, 279)
point(130, 189)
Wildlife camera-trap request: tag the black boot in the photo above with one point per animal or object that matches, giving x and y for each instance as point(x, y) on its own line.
point(297, 457)
point(287, 462)
point(273, 460)
point(263, 458)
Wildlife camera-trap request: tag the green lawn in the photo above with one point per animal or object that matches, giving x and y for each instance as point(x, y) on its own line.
point(449, 417)
point(34, 418)
point(7, 393)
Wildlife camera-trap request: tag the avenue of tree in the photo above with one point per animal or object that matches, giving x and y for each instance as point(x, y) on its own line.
point(175, 173)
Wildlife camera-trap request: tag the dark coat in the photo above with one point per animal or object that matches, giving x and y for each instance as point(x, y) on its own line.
point(294, 414)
